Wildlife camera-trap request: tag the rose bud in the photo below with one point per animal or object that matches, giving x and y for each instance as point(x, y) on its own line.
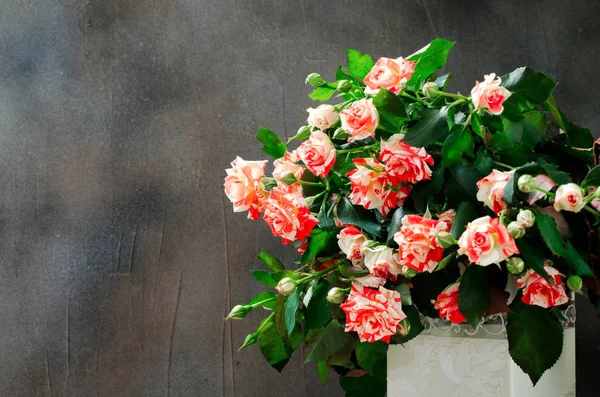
point(408, 272)
point(445, 240)
point(286, 286)
point(323, 117)
point(344, 86)
point(575, 284)
point(525, 182)
point(516, 230)
point(569, 197)
point(431, 89)
point(403, 327)
point(526, 218)
point(238, 312)
point(250, 340)
point(303, 132)
point(515, 265)
point(336, 295)
point(340, 134)
point(289, 179)
point(315, 80)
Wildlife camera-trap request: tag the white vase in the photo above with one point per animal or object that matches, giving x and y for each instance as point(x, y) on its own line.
point(453, 361)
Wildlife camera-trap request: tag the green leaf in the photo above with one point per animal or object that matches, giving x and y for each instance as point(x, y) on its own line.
point(477, 124)
point(474, 294)
point(358, 216)
point(431, 128)
point(483, 162)
point(291, 306)
point(512, 195)
point(443, 81)
point(272, 346)
point(450, 258)
point(549, 231)
point(264, 277)
point(465, 213)
point(279, 318)
point(367, 354)
point(461, 184)
point(592, 178)
point(367, 385)
point(532, 257)
point(265, 298)
point(458, 143)
point(359, 64)
point(416, 326)
point(323, 93)
point(323, 371)
point(317, 314)
point(535, 339)
point(392, 114)
point(395, 223)
point(272, 144)
point(529, 87)
point(318, 241)
point(272, 262)
point(576, 262)
point(277, 276)
point(328, 342)
point(578, 137)
point(534, 128)
point(430, 59)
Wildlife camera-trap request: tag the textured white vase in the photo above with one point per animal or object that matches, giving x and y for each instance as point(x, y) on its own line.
point(452, 363)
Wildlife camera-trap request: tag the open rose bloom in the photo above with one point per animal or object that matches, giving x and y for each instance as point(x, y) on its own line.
point(404, 200)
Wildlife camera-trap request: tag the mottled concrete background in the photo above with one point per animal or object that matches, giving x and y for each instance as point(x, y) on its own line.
point(119, 255)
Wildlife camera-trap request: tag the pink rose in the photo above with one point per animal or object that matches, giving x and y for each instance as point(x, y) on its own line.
point(486, 241)
point(491, 190)
point(448, 218)
point(360, 119)
point(317, 153)
point(416, 238)
point(350, 240)
point(244, 187)
point(539, 292)
point(372, 188)
point(382, 261)
point(391, 74)
point(373, 314)
point(322, 117)
point(286, 165)
point(405, 163)
point(490, 94)
point(447, 304)
point(287, 215)
point(569, 197)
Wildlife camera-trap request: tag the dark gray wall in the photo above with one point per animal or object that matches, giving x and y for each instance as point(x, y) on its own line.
point(119, 254)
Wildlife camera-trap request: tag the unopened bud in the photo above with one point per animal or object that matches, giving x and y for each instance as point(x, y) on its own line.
point(526, 218)
point(516, 230)
point(238, 312)
point(515, 265)
point(403, 327)
point(445, 240)
point(344, 86)
point(303, 132)
point(315, 80)
point(575, 283)
point(289, 179)
point(409, 272)
point(250, 340)
point(431, 89)
point(336, 295)
point(525, 182)
point(340, 134)
point(286, 286)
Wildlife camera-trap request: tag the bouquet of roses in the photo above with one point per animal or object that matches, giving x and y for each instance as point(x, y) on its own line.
point(406, 201)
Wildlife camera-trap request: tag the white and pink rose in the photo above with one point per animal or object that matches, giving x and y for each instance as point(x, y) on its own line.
point(569, 197)
point(323, 117)
point(491, 190)
point(486, 241)
point(539, 292)
point(391, 74)
point(405, 163)
point(382, 261)
point(447, 304)
point(350, 240)
point(360, 119)
point(417, 242)
point(317, 153)
point(244, 187)
point(489, 94)
point(287, 165)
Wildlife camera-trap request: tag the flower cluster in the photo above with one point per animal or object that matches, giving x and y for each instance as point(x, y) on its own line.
point(404, 199)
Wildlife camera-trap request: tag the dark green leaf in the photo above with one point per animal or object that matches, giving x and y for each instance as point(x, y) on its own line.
point(352, 271)
point(529, 87)
point(279, 318)
point(272, 346)
point(323, 370)
point(328, 342)
point(535, 339)
point(532, 256)
point(512, 195)
point(395, 223)
point(465, 213)
point(318, 241)
point(476, 124)
point(416, 326)
point(356, 215)
point(272, 262)
point(458, 143)
point(291, 306)
point(367, 385)
point(577, 264)
point(429, 59)
point(392, 114)
point(578, 137)
point(272, 144)
point(450, 258)
point(461, 184)
point(264, 277)
point(592, 178)
point(534, 128)
point(322, 93)
point(549, 231)
point(277, 276)
point(266, 299)
point(317, 314)
point(427, 287)
point(367, 354)
point(483, 162)
point(431, 128)
point(359, 64)
point(474, 294)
